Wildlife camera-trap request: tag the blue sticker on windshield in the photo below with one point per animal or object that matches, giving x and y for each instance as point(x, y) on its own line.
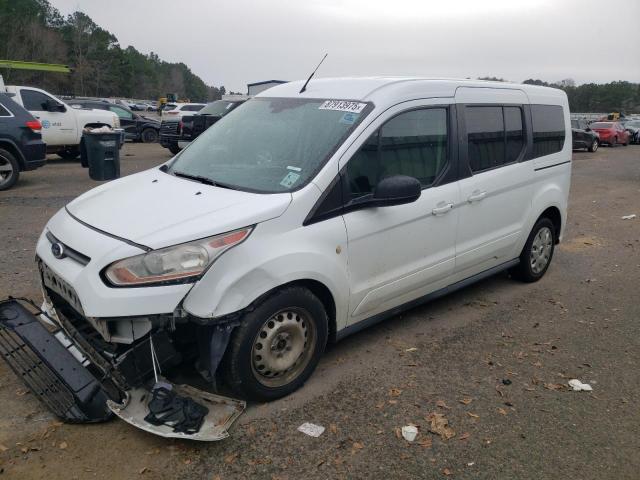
point(349, 118)
point(289, 179)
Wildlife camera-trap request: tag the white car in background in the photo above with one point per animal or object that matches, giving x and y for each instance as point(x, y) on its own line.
point(181, 109)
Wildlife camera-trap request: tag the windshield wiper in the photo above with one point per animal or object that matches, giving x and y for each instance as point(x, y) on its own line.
point(205, 180)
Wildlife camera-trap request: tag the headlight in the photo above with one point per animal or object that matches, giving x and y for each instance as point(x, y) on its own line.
point(178, 264)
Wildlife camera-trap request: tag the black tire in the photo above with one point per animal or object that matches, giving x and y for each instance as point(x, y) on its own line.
point(70, 153)
point(9, 170)
point(525, 271)
point(149, 135)
point(594, 145)
point(175, 149)
point(277, 311)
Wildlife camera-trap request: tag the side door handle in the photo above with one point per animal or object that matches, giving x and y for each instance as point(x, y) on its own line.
point(476, 196)
point(442, 209)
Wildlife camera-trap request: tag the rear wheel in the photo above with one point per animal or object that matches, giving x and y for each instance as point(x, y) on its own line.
point(537, 252)
point(70, 153)
point(277, 346)
point(9, 170)
point(149, 135)
point(594, 145)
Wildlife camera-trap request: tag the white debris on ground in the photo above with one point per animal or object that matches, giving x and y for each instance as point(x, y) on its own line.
point(578, 386)
point(629, 217)
point(311, 429)
point(409, 432)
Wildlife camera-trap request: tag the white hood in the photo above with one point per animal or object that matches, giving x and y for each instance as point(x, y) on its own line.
point(157, 210)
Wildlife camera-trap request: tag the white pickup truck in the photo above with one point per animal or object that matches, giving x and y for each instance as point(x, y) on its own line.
point(61, 125)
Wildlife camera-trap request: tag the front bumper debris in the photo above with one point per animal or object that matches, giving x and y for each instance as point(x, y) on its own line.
point(79, 385)
point(52, 371)
point(223, 412)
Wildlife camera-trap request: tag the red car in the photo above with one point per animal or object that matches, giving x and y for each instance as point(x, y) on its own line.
point(611, 133)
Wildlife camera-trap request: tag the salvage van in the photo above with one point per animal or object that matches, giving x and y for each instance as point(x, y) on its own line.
point(61, 125)
point(306, 214)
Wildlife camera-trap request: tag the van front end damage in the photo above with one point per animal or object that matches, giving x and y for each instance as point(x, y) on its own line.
point(81, 377)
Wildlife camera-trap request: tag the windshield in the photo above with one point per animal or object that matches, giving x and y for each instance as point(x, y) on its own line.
point(218, 108)
point(270, 145)
point(601, 125)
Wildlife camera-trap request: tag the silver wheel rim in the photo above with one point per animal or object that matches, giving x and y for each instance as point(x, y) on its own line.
point(6, 170)
point(283, 347)
point(595, 145)
point(541, 250)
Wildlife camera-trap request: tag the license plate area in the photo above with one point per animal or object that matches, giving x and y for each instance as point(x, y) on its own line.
point(54, 282)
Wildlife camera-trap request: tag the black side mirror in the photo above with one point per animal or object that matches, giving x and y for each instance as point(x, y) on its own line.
point(396, 190)
point(53, 106)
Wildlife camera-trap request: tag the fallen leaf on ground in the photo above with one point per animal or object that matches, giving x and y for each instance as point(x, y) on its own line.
point(230, 458)
point(395, 392)
point(502, 411)
point(440, 426)
point(143, 470)
point(466, 401)
point(358, 445)
point(62, 445)
point(473, 415)
point(412, 349)
point(447, 472)
point(333, 428)
point(441, 404)
point(425, 442)
point(3, 448)
point(464, 436)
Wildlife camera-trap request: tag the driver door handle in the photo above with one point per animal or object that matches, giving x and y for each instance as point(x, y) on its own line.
point(476, 196)
point(443, 209)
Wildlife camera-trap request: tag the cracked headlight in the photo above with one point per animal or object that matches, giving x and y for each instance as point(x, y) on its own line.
point(178, 264)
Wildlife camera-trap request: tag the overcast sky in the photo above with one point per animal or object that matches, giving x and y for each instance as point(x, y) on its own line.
point(241, 41)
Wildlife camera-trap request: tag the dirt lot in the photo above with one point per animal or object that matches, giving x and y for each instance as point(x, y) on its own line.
point(493, 359)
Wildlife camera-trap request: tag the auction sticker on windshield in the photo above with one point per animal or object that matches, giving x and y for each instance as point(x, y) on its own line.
point(343, 106)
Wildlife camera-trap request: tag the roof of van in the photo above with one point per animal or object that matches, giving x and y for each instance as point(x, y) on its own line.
point(399, 88)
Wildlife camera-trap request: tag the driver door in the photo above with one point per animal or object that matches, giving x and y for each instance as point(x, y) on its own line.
point(399, 253)
point(127, 121)
point(58, 128)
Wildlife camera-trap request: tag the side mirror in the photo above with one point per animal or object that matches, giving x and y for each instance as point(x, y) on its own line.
point(53, 106)
point(396, 190)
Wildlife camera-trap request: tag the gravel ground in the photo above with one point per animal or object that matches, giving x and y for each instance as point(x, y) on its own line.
point(492, 361)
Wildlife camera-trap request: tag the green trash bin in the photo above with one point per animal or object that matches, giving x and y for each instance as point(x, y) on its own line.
point(101, 153)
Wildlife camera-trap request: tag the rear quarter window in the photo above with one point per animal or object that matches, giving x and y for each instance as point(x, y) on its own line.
point(4, 112)
point(548, 129)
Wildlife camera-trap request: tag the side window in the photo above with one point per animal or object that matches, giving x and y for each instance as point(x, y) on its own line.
point(122, 113)
point(514, 132)
point(485, 137)
point(413, 143)
point(34, 101)
point(4, 112)
point(548, 129)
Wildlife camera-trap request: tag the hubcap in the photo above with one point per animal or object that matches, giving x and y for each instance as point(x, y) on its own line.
point(595, 145)
point(541, 250)
point(6, 170)
point(283, 347)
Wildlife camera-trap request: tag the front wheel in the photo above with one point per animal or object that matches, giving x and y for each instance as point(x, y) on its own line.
point(9, 170)
point(537, 252)
point(277, 346)
point(594, 145)
point(149, 135)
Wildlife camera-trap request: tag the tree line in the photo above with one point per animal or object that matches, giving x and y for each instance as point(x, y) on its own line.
point(35, 31)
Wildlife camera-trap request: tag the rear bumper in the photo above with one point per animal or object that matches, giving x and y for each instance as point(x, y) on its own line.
point(35, 154)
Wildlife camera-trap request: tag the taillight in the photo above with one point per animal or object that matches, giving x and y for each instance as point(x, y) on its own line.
point(34, 125)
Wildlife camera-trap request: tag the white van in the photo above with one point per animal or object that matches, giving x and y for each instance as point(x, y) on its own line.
point(300, 218)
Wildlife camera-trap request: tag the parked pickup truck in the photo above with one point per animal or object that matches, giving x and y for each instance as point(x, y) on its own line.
point(61, 125)
point(194, 125)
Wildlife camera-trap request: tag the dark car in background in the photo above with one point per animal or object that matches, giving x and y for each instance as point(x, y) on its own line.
point(21, 145)
point(633, 127)
point(193, 125)
point(583, 136)
point(611, 133)
point(136, 127)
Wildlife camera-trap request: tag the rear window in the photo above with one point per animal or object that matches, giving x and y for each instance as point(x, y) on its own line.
point(4, 112)
point(601, 125)
point(192, 108)
point(548, 129)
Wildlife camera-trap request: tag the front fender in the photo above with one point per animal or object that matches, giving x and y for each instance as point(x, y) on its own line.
point(267, 261)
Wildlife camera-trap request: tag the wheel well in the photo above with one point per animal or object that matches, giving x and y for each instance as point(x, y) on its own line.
point(13, 151)
point(553, 214)
point(325, 296)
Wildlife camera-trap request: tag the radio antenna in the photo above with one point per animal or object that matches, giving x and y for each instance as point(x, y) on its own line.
point(304, 87)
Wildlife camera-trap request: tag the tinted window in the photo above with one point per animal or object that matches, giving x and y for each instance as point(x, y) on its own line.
point(514, 133)
point(121, 112)
point(192, 108)
point(34, 101)
point(548, 129)
point(485, 135)
point(4, 112)
point(413, 143)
